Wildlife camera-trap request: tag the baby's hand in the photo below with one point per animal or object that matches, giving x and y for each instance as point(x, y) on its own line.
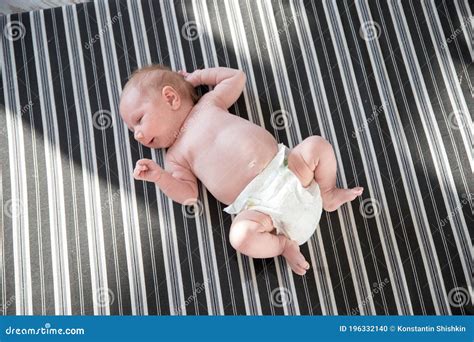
point(183, 73)
point(189, 77)
point(147, 170)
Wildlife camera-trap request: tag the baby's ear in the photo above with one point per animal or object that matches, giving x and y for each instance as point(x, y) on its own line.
point(171, 96)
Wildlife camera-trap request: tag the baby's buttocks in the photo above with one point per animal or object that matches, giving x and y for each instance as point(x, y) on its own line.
point(277, 191)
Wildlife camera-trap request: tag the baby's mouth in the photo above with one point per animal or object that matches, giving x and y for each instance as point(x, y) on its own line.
point(151, 141)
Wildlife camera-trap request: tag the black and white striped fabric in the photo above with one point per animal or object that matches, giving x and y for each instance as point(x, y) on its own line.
point(388, 83)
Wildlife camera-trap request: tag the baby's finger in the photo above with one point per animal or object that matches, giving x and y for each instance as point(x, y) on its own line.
point(139, 168)
point(148, 163)
point(137, 173)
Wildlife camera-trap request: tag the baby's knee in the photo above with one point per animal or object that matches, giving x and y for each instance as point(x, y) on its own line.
point(242, 232)
point(316, 142)
point(316, 148)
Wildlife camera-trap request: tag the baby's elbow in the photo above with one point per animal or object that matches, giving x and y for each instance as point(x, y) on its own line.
point(194, 190)
point(191, 201)
point(191, 197)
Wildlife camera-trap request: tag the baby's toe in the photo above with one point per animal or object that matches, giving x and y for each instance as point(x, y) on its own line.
point(300, 266)
point(301, 261)
point(305, 265)
point(299, 270)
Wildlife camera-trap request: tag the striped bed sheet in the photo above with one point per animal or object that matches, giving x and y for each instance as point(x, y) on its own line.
point(388, 83)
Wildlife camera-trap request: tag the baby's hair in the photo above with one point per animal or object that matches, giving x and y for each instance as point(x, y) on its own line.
point(157, 76)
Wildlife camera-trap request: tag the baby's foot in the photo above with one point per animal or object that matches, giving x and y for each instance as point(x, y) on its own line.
point(292, 254)
point(336, 197)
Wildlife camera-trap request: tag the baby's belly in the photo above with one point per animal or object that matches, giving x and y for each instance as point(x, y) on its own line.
point(226, 176)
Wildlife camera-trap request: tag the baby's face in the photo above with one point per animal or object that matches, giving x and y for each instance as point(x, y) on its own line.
point(150, 118)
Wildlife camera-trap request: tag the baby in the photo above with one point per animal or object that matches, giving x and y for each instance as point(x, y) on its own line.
point(278, 194)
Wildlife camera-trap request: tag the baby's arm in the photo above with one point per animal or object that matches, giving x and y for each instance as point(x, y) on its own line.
point(177, 182)
point(228, 83)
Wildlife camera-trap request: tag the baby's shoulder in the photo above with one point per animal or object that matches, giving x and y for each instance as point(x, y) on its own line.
point(210, 101)
point(173, 156)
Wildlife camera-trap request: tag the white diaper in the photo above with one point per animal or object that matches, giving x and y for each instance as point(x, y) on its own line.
point(276, 191)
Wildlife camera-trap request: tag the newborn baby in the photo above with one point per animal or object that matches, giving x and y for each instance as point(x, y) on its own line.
point(278, 194)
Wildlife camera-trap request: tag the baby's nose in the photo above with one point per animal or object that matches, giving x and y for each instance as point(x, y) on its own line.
point(138, 136)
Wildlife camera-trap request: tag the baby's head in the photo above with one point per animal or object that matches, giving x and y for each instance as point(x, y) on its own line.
point(154, 104)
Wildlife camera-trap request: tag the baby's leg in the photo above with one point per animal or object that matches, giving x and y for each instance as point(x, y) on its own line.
point(251, 234)
point(314, 159)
